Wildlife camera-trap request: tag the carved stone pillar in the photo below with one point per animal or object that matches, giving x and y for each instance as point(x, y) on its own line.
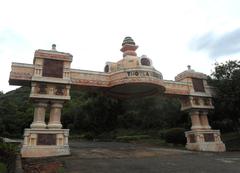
point(55, 115)
point(196, 123)
point(39, 115)
point(204, 120)
point(68, 90)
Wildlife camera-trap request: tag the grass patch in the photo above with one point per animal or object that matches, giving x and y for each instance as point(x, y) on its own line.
point(132, 138)
point(60, 170)
point(8, 153)
point(82, 136)
point(3, 168)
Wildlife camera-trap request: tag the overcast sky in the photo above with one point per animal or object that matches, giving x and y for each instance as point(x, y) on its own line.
point(172, 33)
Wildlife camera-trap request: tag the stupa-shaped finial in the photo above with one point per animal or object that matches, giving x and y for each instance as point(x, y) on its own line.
point(129, 47)
point(128, 40)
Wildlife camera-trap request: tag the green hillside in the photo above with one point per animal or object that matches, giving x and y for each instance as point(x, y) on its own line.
point(93, 112)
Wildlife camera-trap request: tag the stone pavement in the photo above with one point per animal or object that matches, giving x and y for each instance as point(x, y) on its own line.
point(113, 157)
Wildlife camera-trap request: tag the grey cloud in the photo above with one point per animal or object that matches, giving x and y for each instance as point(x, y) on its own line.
point(226, 44)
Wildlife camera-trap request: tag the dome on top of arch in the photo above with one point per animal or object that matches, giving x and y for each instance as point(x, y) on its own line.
point(190, 73)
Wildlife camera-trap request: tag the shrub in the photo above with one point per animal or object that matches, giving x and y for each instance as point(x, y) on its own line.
point(3, 168)
point(162, 133)
point(88, 136)
point(8, 153)
point(132, 138)
point(106, 136)
point(175, 136)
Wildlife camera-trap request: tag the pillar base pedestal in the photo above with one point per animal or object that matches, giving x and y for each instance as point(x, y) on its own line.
point(54, 126)
point(38, 125)
point(45, 143)
point(204, 140)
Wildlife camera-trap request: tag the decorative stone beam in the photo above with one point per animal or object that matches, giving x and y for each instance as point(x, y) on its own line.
point(84, 78)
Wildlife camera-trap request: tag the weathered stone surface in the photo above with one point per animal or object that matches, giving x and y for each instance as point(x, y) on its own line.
point(32, 147)
point(205, 140)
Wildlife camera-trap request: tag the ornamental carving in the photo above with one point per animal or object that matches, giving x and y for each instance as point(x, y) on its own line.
point(196, 101)
point(192, 138)
point(207, 102)
point(42, 89)
point(209, 137)
point(60, 90)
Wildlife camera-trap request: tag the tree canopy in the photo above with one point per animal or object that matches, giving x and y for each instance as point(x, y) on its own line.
point(226, 80)
point(93, 112)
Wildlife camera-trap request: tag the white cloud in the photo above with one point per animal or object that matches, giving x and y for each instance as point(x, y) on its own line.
point(93, 31)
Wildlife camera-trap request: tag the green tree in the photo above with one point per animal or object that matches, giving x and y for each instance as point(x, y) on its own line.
point(93, 112)
point(16, 112)
point(151, 113)
point(226, 80)
point(90, 112)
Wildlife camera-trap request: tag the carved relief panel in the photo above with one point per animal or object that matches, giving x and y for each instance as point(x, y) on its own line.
point(46, 139)
point(53, 68)
point(209, 137)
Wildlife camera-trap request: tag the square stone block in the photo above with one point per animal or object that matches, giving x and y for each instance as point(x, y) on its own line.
point(204, 140)
point(45, 143)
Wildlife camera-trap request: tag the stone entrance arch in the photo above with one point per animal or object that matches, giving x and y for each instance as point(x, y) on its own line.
point(51, 78)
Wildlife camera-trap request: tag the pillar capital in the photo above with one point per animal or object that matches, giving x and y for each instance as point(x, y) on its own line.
point(57, 104)
point(33, 84)
point(41, 104)
point(194, 112)
point(204, 113)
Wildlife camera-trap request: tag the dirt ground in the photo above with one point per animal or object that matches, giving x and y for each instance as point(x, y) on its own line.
point(113, 157)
